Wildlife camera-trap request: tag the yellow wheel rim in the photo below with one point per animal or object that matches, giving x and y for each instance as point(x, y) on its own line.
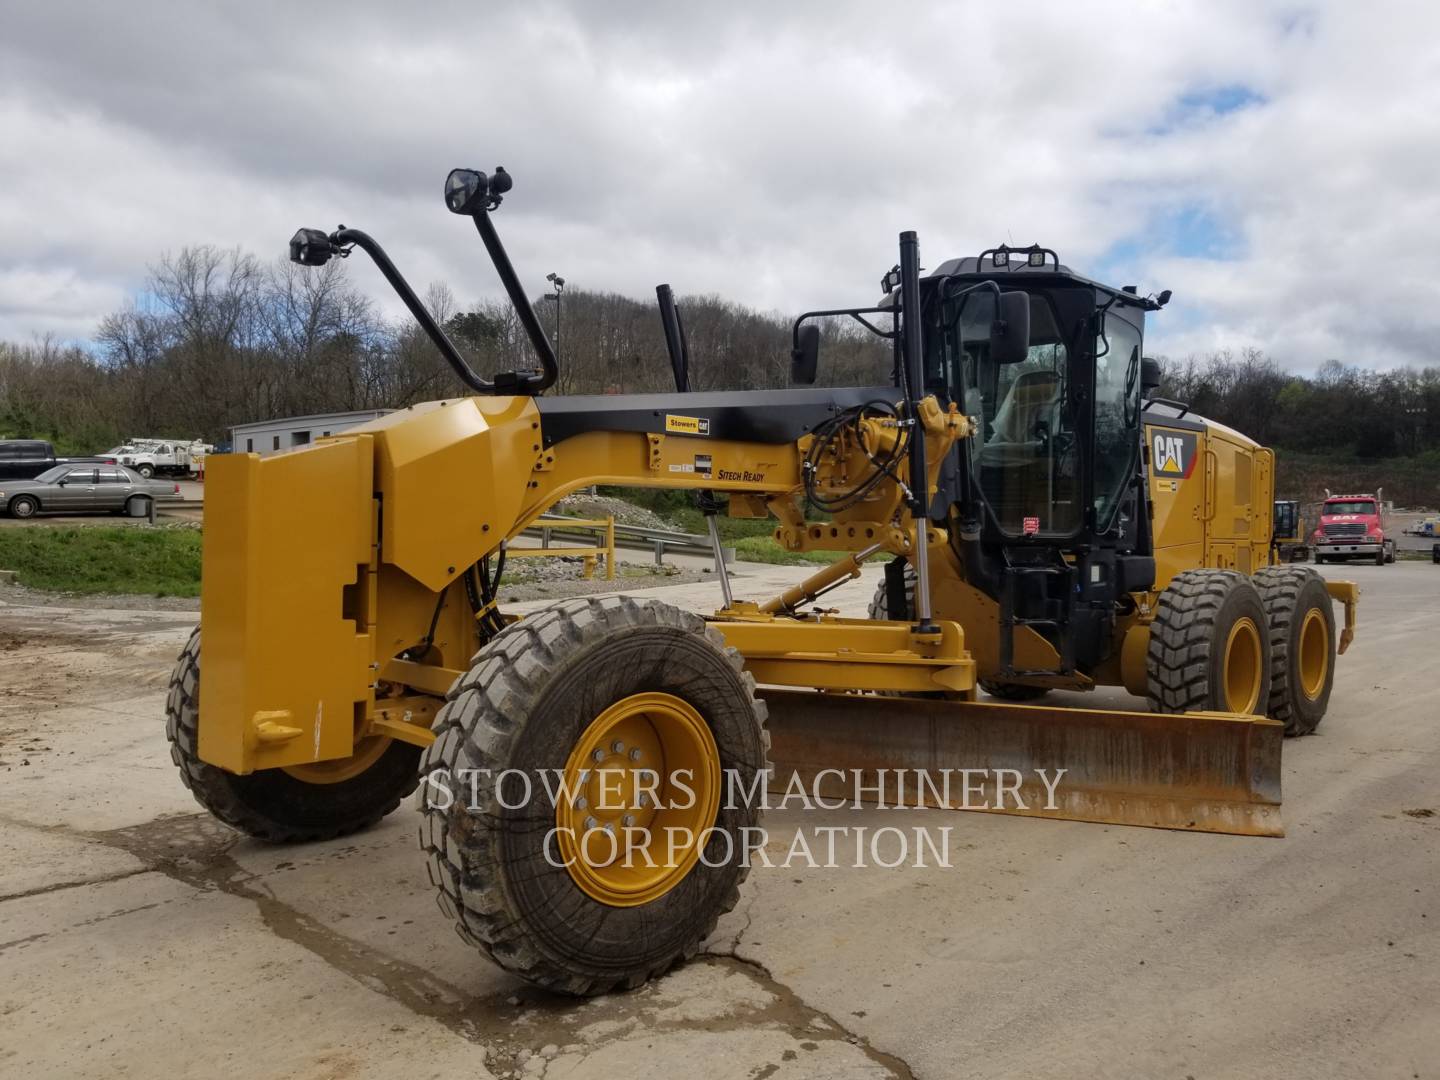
point(641, 791)
point(367, 753)
point(1242, 670)
point(1314, 653)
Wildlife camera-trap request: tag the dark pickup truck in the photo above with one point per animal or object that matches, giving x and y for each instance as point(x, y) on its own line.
point(25, 459)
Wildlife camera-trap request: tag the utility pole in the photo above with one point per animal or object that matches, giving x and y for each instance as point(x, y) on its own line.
point(559, 284)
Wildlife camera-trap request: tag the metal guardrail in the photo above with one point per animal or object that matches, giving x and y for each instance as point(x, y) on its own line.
point(604, 526)
point(657, 541)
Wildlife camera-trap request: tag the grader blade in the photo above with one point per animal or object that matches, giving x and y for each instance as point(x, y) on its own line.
point(1206, 772)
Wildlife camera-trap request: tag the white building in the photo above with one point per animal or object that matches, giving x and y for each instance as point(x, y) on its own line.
point(267, 436)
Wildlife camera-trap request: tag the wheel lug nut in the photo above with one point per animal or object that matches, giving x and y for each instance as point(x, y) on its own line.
point(598, 755)
point(628, 820)
point(644, 799)
point(590, 823)
point(618, 746)
point(581, 803)
point(635, 754)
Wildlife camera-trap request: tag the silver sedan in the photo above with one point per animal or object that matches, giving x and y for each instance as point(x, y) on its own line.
point(68, 489)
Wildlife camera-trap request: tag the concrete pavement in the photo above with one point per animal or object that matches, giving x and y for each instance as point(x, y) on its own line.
point(138, 937)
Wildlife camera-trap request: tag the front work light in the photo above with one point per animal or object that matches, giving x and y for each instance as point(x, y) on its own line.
point(311, 247)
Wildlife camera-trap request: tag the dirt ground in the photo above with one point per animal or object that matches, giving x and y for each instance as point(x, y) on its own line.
point(139, 938)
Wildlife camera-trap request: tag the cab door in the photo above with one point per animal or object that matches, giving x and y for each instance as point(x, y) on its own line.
point(76, 491)
point(113, 488)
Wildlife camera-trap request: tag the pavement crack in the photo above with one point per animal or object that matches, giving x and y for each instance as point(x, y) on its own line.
point(509, 1025)
point(802, 1016)
point(60, 886)
point(748, 915)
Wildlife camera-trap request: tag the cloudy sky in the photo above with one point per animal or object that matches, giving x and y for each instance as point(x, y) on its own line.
point(1276, 165)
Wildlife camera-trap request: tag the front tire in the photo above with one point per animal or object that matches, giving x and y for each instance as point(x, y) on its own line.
point(531, 703)
point(272, 804)
point(1209, 645)
point(1302, 645)
point(23, 506)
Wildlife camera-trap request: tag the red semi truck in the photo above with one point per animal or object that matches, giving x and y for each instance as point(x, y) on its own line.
point(1352, 526)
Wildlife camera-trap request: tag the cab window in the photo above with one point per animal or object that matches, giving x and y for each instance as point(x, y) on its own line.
point(1117, 412)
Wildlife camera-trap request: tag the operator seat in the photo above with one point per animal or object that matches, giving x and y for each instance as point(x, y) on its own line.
point(1015, 462)
point(1029, 409)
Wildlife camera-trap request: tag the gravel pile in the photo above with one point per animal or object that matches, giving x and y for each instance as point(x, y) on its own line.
point(597, 506)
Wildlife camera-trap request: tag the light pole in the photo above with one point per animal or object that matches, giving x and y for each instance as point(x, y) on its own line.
point(559, 283)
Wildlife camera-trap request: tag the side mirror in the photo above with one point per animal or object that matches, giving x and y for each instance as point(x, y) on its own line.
point(471, 192)
point(805, 356)
point(61, 482)
point(1010, 332)
point(1149, 375)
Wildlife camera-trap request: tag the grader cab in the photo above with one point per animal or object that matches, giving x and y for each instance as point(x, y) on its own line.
point(589, 773)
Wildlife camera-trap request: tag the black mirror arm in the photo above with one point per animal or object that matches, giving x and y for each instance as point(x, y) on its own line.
point(527, 382)
point(367, 244)
point(949, 292)
point(854, 313)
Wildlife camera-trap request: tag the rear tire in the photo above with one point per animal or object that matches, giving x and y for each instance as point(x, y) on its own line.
point(23, 506)
point(1302, 645)
point(271, 804)
point(1380, 559)
point(1209, 645)
point(530, 701)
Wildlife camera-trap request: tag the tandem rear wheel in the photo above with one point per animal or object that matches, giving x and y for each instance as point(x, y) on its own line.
point(1302, 645)
point(581, 817)
point(1262, 645)
point(1209, 645)
point(308, 802)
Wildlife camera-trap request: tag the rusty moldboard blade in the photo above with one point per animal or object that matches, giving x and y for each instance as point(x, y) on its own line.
point(1207, 772)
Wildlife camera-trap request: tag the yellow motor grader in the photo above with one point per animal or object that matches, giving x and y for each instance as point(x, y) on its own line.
point(588, 773)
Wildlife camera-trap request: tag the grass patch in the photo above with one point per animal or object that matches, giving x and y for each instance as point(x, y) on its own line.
point(100, 559)
point(765, 549)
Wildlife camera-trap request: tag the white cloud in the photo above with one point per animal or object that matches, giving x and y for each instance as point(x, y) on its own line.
point(769, 153)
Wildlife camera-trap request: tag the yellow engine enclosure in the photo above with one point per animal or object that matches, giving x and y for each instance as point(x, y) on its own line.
point(1211, 492)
